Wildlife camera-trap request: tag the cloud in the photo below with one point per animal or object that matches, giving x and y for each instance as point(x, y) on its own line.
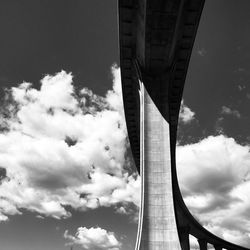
point(241, 87)
point(106, 189)
point(130, 210)
point(240, 69)
point(214, 179)
point(218, 125)
point(201, 52)
point(94, 239)
point(186, 115)
point(194, 245)
point(61, 147)
point(228, 111)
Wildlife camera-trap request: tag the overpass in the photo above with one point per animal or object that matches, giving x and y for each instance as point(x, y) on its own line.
point(156, 39)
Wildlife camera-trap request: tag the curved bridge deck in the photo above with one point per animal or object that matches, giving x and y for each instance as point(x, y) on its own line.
point(156, 39)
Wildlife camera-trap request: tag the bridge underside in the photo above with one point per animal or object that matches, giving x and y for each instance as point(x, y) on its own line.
point(156, 40)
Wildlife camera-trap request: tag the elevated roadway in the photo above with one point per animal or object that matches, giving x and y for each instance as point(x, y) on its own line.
point(156, 39)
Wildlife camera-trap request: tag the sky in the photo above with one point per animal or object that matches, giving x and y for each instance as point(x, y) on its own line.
point(66, 174)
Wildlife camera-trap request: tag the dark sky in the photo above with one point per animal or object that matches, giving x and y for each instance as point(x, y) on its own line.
point(26, 232)
point(219, 71)
point(41, 37)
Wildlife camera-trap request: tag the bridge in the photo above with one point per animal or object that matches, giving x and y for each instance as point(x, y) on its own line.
point(156, 39)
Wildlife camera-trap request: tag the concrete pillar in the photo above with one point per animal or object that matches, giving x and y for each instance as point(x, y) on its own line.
point(157, 226)
point(202, 244)
point(217, 247)
point(184, 238)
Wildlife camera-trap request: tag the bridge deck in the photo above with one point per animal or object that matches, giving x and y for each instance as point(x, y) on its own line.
point(156, 39)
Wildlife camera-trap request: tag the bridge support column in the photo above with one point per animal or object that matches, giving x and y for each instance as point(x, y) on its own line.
point(217, 247)
point(157, 225)
point(184, 238)
point(202, 244)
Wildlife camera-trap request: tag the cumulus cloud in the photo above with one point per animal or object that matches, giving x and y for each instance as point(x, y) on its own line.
point(186, 115)
point(94, 239)
point(108, 189)
point(60, 147)
point(214, 179)
point(228, 111)
point(130, 210)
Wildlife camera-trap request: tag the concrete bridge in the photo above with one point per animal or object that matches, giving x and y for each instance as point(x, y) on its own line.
point(156, 39)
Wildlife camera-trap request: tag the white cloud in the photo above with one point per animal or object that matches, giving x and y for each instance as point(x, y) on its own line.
point(228, 111)
point(94, 239)
point(194, 245)
point(186, 115)
point(63, 148)
point(113, 97)
point(67, 148)
point(214, 179)
point(110, 189)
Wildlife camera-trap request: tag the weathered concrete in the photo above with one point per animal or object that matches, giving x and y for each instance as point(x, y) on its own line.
point(157, 227)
